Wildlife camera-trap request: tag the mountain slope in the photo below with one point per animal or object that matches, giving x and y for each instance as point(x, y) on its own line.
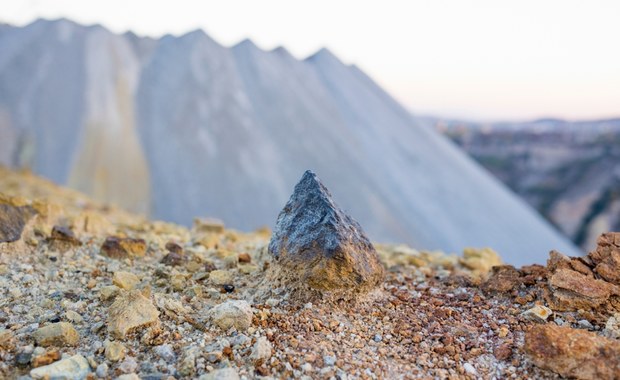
point(226, 132)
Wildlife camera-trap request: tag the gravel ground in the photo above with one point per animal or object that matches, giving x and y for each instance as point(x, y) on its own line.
point(158, 301)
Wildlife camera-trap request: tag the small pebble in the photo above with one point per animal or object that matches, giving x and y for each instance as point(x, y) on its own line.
point(538, 313)
point(235, 313)
point(115, 351)
point(128, 365)
point(220, 277)
point(22, 359)
point(102, 371)
point(470, 369)
point(583, 323)
point(329, 360)
point(165, 352)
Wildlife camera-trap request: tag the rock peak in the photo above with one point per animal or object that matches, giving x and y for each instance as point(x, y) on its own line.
point(318, 244)
point(310, 182)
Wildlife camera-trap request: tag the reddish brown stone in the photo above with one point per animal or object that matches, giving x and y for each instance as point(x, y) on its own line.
point(245, 258)
point(557, 261)
point(577, 264)
point(503, 351)
point(573, 353)
point(532, 274)
point(174, 248)
point(503, 278)
point(606, 257)
point(571, 290)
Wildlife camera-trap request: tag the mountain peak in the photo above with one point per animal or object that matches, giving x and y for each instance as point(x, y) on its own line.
point(246, 43)
point(196, 33)
point(323, 54)
point(282, 51)
point(199, 36)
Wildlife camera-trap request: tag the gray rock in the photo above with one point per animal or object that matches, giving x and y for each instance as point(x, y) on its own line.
point(320, 245)
point(165, 352)
point(102, 371)
point(329, 360)
point(128, 365)
point(22, 359)
point(13, 219)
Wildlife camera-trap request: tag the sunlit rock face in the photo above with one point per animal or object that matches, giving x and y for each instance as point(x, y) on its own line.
point(182, 126)
point(68, 99)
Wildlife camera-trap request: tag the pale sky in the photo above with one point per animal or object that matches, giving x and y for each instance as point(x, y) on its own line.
point(482, 59)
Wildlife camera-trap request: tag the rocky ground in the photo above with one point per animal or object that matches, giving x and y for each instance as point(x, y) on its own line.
point(90, 291)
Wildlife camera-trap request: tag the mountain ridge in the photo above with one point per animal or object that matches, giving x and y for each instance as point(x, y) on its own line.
point(221, 131)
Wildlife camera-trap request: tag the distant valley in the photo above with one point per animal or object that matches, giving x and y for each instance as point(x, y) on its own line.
point(568, 171)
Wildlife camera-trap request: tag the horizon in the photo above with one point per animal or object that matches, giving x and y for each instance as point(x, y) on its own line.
point(555, 66)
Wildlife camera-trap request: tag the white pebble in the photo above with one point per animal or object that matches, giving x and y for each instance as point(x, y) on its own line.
point(470, 369)
point(329, 360)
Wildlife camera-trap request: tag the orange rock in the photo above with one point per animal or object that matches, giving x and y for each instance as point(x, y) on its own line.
point(47, 358)
point(120, 248)
point(606, 257)
point(571, 290)
point(573, 353)
point(557, 261)
point(245, 258)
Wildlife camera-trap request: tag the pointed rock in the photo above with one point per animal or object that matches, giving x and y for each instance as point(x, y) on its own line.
point(317, 243)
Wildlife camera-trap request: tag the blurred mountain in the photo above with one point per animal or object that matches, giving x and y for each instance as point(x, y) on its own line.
point(568, 171)
point(182, 126)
